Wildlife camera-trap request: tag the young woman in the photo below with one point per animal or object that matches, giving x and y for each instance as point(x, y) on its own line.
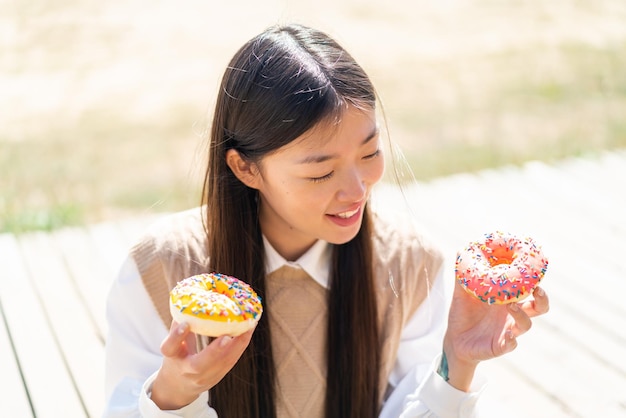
point(355, 304)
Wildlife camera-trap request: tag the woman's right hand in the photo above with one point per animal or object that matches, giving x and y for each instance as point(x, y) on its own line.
point(185, 373)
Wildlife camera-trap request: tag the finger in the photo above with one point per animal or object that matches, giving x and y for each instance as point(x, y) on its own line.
point(223, 350)
point(191, 343)
point(521, 321)
point(508, 342)
point(539, 304)
point(172, 345)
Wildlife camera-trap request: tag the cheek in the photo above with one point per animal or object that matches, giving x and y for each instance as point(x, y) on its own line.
point(375, 173)
point(296, 196)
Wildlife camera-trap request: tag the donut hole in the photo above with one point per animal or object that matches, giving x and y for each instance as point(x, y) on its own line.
point(499, 255)
point(500, 271)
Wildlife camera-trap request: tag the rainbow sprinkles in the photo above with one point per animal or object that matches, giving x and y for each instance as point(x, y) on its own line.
point(501, 268)
point(215, 304)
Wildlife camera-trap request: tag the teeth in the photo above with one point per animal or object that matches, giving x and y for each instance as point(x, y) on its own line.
point(346, 215)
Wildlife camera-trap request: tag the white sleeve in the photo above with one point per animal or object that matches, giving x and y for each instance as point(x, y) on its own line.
point(133, 356)
point(418, 390)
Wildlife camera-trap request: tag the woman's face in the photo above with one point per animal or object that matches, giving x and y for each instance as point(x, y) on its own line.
point(316, 187)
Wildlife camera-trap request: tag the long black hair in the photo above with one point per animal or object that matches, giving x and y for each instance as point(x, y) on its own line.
point(279, 85)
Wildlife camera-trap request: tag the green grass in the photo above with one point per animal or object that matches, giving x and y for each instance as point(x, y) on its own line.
point(115, 147)
point(45, 219)
point(98, 170)
point(511, 107)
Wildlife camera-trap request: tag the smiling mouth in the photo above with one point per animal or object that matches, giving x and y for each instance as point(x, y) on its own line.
point(346, 215)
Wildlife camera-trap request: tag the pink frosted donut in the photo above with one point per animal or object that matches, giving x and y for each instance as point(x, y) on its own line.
point(500, 268)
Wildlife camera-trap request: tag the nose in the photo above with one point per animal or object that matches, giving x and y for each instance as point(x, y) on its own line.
point(353, 187)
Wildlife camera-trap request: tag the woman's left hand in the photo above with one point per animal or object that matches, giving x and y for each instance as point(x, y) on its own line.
point(478, 331)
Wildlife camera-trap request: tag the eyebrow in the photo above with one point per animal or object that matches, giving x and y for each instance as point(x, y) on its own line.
point(320, 158)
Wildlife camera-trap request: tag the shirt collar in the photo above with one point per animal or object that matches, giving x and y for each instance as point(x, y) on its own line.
point(315, 262)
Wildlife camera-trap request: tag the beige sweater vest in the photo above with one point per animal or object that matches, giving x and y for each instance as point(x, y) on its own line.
point(404, 267)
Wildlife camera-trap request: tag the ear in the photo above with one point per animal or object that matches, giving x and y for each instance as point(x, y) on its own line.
point(246, 171)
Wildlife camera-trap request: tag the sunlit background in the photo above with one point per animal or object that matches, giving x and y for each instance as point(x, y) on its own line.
point(103, 105)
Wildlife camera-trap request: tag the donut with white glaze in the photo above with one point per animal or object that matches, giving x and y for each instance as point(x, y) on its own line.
point(215, 304)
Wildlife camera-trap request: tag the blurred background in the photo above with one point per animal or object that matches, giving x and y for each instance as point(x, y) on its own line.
point(104, 105)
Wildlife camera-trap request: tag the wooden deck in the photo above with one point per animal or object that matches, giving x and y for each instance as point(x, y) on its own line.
point(571, 364)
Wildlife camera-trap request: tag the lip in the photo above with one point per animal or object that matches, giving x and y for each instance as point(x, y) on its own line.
point(350, 220)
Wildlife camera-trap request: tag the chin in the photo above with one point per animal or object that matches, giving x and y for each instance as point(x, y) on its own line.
point(343, 238)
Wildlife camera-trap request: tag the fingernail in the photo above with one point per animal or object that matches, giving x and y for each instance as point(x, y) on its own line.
point(514, 307)
point(182, 327)
point(225, 340)
point(540, 291)
point(508, 339)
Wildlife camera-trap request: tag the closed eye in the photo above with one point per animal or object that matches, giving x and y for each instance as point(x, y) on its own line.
point(322, 178)
point(373, 155)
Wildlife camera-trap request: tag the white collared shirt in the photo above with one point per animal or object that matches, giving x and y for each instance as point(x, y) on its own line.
point(314, 262)
point(133, 350)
